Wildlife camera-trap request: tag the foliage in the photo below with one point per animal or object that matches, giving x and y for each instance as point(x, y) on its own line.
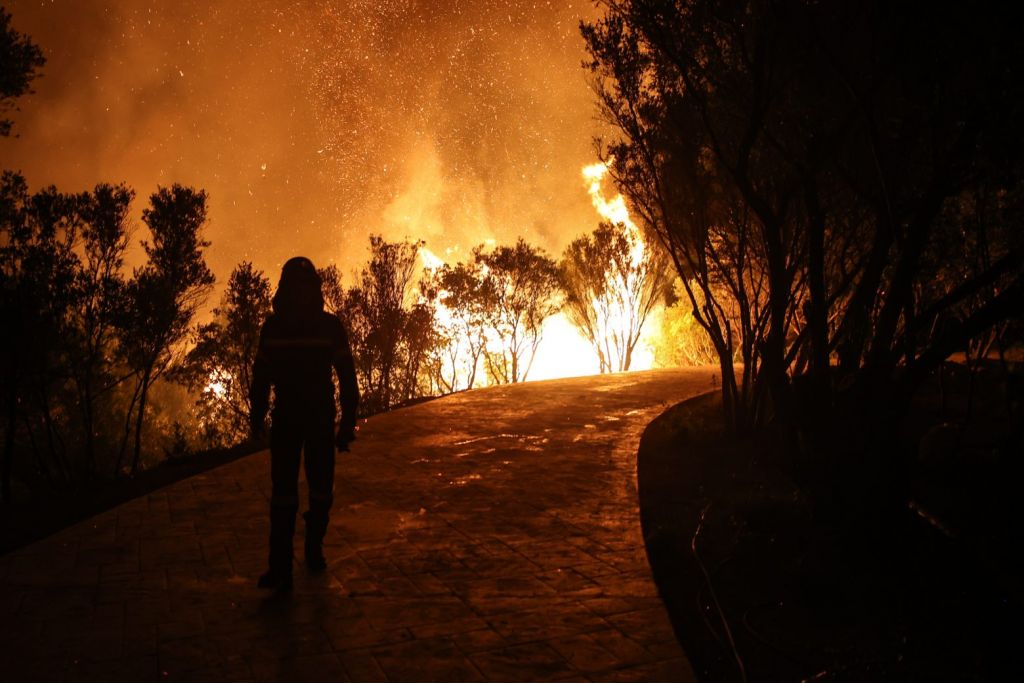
point(390, 333)
point(165, 294)
point(66, 301)
point(332, 289)
point(520, 290)
point(681, 341)
point(37, 237)
point(98, 302)
point(837, 186)
point(612, 282)
point(20, 61)
point(458, 294)
point(769, 146)
point(219, 366)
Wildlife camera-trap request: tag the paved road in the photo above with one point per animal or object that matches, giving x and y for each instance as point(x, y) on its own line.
point(490, 535)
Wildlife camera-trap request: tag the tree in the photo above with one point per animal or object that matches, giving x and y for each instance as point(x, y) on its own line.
point(377, 312)
point(37, 272)
point(663, 165)
point(219, 366)
point(680, 340)
point(332, 288)
point(420, 340)
point(458, 293)
point(163, 295)
point(612, 282)
point(20, 61)
point(799, 160)
point(520, 290)
point(99, 292)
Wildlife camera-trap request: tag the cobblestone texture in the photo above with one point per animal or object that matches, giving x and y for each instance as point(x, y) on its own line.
point(488, 536)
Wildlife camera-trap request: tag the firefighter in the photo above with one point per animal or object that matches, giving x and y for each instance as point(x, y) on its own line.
point(298, 346)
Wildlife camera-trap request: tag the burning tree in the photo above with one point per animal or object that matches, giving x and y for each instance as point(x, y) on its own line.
point(219, 366)
point(612, 282)
point(681, 341)
point(520, 290)
point(163, 295)
point(458, 296)
point(391, 333)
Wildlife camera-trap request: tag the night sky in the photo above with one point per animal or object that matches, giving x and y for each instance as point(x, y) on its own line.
point(314, 123)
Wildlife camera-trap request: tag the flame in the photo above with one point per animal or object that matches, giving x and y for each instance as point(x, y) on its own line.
point(216, 383)
point(563, 351)
point(619, 314)
point(614, 210)
point(431, 261)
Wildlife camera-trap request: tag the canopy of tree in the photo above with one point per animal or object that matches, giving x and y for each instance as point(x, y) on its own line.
point(838, 185)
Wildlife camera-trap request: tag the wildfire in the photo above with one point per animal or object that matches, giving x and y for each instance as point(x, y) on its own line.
point(614, 210)
point(563, 351)
point(216, 384)
point(618, 315)
point(430, 260)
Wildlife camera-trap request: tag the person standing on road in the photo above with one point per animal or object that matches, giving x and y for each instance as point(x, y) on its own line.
point(299, 345)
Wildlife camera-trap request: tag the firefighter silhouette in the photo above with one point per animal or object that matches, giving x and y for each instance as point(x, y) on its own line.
point(299, 345)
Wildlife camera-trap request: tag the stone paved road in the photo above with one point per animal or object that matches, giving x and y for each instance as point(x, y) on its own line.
point(491, 535)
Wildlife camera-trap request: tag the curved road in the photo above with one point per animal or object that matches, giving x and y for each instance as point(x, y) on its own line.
point(488, 535)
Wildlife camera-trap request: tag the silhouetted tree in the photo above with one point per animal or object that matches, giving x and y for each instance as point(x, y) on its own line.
point(164, 294)
point(520, 290)
point(20, 61)
point(377, 312)
point(462, 322)
point(66, 303)
point(420, 340)
point(220, 364)
point(612, 282)
point(99, 298)
point(809, 152)
point(332, 288)
point(37, 272)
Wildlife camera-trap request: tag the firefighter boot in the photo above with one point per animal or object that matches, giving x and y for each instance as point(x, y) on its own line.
point(282, 531)
point(316, 527)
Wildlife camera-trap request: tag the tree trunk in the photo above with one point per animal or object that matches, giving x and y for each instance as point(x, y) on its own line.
point(53, 441)
point(817, 310)
point(88, 420)
point(139, 419)
point(729, 407)
point(127, 431)
point(37, 456)
point(12, 423)
point(472, 371)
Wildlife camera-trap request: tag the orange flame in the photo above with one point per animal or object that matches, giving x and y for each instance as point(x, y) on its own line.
point(619, 315)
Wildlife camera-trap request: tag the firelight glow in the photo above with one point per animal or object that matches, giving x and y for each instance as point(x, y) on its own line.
point(563, 351)
point(313, 124)
point(619, 314)
point(217, 383)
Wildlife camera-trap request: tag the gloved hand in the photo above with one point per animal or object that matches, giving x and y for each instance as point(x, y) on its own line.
point(344, 437)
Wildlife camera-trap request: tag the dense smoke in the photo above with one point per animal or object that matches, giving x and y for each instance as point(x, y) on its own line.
point(313, 124)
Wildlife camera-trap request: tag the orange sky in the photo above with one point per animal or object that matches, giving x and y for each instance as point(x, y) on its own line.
point(312, 124)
